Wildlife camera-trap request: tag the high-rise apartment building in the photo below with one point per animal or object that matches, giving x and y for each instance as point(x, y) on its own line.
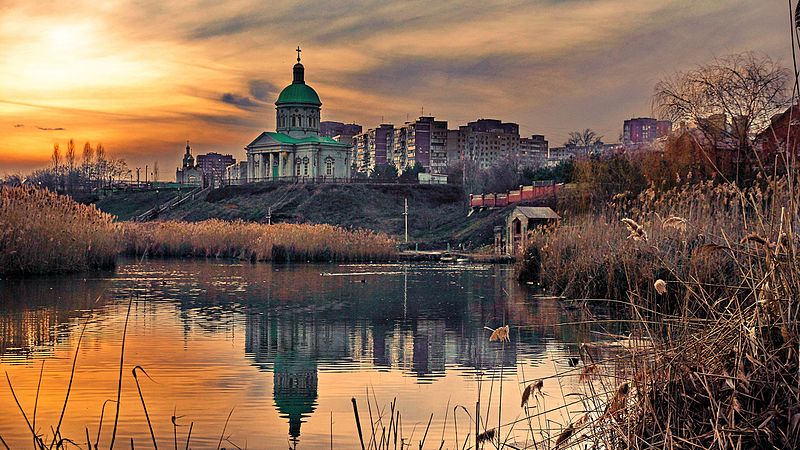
point(372, 148)
point(422, 141)
point(533, 151)
point(214, 165)
point(332, 129)
point(486, 141)
point(643, 130)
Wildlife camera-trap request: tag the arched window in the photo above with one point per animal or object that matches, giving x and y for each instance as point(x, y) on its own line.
point(294, 120)
point(329, 167)
point(305, 166)
point(297, 162)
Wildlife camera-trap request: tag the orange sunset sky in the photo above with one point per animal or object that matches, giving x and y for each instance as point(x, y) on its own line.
point(143, 76)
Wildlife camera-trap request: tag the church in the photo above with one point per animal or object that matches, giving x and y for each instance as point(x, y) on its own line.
point(296, 150)
point(189, 173)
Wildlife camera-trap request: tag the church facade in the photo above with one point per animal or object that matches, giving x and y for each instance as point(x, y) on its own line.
point(297, 150)
point(189, 173)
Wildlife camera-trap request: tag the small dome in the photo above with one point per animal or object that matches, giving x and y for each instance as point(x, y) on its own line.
point(298, 93)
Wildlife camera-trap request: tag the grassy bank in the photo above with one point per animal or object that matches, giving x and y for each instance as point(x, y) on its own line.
point(42, 232)
point(709, 277)
point(45, 233)
point(256, 242)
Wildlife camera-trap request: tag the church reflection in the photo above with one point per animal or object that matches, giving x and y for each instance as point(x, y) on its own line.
point(305, 320)
point(404, 327)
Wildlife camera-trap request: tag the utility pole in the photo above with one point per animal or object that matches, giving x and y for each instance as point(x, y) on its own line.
point(145, 174)
point(405, 216)
point(269, 216)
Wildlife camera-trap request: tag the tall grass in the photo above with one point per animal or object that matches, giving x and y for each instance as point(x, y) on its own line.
point(599, 255)
point(710, 278)
point(42, 232)
point(256, 242)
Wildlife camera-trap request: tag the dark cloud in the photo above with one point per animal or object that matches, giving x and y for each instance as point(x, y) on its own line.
point(51, 128)
point(239, 101)
point(263, 90)
point(19, 125)
point(224, 27)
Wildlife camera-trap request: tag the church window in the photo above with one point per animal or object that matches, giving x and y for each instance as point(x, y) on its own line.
point(297, 163)
point(305, 166)
point(294, 120)
point(329, 166)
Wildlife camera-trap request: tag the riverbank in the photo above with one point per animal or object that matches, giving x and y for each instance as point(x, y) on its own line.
point(708, 274)
point(437, 214)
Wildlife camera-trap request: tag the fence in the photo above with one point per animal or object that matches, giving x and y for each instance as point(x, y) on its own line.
point(328, 180)
point(539, 189)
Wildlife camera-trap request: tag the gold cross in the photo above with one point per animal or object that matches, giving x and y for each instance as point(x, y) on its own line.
point(298, 53)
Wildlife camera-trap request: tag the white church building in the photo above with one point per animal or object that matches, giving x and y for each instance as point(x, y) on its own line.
point(296, 150)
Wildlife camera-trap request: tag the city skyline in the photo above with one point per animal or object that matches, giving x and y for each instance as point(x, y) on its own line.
point(143, 78)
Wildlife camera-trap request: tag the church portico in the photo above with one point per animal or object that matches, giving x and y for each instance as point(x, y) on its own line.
point(296, 151)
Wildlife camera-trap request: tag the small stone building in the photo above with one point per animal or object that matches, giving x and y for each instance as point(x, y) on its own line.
point(520, 221)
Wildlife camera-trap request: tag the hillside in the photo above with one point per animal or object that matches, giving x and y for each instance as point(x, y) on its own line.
point(437, 213)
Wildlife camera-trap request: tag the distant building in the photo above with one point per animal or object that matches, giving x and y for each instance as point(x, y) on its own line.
point(534, 151)
point(557, 155)
point(214, 165)
point(372, 148)
point(189, 173)
point(644, 130)
point(236, 173)
point(332, 129)
point(485, 141)
point(422, 141)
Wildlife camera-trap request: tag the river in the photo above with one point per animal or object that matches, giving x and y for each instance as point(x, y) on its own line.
point(281, 349)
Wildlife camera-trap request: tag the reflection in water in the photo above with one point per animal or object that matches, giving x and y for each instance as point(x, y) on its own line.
point(298, 323)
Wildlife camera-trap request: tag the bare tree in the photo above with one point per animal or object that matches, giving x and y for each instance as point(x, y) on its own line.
point(100, 163)
point(585, 138)
point(729, 100)
point(88, 157)
point(70, 155)
point(56, 157)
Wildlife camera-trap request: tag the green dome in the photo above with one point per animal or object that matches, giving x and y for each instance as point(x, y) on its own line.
point(299, 93)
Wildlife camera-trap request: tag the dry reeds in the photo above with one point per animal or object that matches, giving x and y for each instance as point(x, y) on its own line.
point(256, 242)
point(711, 305)
point(43, 232)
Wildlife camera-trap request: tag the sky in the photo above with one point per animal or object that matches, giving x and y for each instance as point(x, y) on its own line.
point(144, 76)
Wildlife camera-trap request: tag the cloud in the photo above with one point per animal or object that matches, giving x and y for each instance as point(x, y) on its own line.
point(239, 101)
point(19, 125)
point(51, 128)
point(207, 70)
point(263, 90)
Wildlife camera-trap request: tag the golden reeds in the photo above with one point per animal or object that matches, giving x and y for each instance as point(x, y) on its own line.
point(256, 242)
point(43, 232)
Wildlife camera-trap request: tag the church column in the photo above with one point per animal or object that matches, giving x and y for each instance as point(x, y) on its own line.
point(249, 167)
point(269, 167)
point(263, 170)
point(280, 165)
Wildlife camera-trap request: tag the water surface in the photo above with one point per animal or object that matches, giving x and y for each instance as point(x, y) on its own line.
point(285, 347)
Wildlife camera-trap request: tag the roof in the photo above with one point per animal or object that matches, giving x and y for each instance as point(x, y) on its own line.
point(536, 212)
point(298, 93)
point(282, 138)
